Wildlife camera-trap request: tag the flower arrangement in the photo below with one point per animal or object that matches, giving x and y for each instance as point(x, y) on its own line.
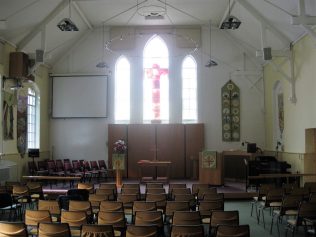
point(120, 147)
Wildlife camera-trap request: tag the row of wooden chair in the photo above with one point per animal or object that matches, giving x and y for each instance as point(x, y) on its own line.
point(86, 230)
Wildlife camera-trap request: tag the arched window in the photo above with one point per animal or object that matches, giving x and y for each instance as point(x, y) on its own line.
point(33, 135)
point(156, 80)
point(189, 89)
point(278, 114)
point(122, 90)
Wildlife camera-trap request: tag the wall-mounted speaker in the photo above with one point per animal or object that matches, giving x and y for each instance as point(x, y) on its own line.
point(267, 55)
point(39, 56)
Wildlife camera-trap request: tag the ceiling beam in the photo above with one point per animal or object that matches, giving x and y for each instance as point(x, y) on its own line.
point(41, 25)
point(286, 41)
point(82, 15)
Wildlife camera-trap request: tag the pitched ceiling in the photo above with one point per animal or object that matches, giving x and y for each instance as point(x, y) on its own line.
point(25, 19)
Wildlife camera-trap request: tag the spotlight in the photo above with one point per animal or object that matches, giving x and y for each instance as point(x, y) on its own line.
point(67, 25)
point(230, 23)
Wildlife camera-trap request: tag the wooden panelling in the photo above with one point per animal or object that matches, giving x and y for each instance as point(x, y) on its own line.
point(194, 143)
point(170, 147)
point(116, 132)
point(141, 146)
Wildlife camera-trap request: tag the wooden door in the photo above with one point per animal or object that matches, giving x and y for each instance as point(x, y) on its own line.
point(170, 147)
point(141, 146)
point(194, 143)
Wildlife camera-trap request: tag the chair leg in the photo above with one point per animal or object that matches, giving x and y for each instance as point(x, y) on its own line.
point(271, 224)
point(264, 223)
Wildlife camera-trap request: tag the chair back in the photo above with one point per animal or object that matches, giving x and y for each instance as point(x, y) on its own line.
point(102, 164)
point(186, 218)
point(116, 219)
point(213, 197)
point(111, 206)
point(154, 185)
point(82, 194)
point(179, 191)
point(33, 217)
point(80, 206)
point(127, 199)
point(109, 192)
point(87, 186)
point(224, 218)
point(53, 230)
point(204, 191)
point(13, 229)
point(206, 207)
point(159, 199)
point(197, 186)
point(155, 190)
point(97, 231)
point(73, 218)
point(96, 199)
point(187, 231)
point(173, 206)
point(149, 218)
point(232, 231)
point(144, 206)
point(131, 185)
point(176, 185)
point(141, 231)
point(187, 198)
point(94, 165)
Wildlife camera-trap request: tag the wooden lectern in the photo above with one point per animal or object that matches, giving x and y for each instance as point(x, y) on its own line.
point(210, 168)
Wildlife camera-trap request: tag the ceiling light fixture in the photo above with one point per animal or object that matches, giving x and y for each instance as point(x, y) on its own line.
point(211, 62)
point(102, 64)
point(67, 24)
point(231, 22)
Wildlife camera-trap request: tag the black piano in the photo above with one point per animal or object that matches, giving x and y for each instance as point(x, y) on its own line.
point(267, 165)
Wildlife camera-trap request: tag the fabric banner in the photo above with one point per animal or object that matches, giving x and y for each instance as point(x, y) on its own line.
point(22, 125)
point(209, 159)
point(9, 100)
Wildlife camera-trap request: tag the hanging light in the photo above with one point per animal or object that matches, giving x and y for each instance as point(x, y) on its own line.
point(230, 22)
point(102, 63)
point(67, 24)
point(211, 62)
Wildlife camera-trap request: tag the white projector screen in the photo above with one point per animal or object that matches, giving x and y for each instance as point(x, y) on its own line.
point(79, 96)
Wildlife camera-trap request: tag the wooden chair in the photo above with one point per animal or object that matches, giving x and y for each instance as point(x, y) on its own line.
point(186, 218)
point(223, 218)
point(144, 206)
point(232, 231)
point(159, 199)
point(131, 185)
point(204, 191)
point(173, 206)
point(197, 186)
point(109, 186)
point(131, 191)
point(213, 197)
point(206, 207)
point(111, 206)
point(87, 186)
point(109, 192)
point(33, 217)
point(141, 231)
point(128, 200)
point(36, 190)
point(52, 206)
point(187, 198)
point(289, 207)
point(176, 185)
point(187, 231)
point(21, 194)
point(7, 204)
point(74, 219)
point(78, 194)
point(272, 200)
point(261, 194)
point(303, 192)
point(311, 186)
point(9, 185)
point(97, 231)
point(154, 185)
point(179, 191)
point(95, 201)
point(149, 218)
point(115, 218)
point(306, 210)
point(53, 230)
point(81, 206)
point(155, 191)
point(13, 229)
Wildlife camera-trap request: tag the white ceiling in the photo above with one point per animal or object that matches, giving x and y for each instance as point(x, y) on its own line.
point(23, 17)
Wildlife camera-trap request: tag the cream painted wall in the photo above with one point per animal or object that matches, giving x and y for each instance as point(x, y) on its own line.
point(299, 116)
point(9, 146)
point(83, 58)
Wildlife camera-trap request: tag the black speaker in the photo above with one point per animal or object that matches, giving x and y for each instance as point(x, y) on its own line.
point(33, 153)
point(267, 55)
point(251, 147)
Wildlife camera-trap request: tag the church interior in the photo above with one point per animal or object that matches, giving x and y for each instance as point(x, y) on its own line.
point(157, 118)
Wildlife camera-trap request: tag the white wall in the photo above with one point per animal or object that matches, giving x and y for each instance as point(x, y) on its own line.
point(89, 136)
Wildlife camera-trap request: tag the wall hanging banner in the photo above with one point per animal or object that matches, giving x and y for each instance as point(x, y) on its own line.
point(230, 112)
point(22, 125)
point(9, 100)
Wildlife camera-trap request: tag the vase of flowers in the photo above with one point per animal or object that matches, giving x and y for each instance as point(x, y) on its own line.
point(118, 159)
